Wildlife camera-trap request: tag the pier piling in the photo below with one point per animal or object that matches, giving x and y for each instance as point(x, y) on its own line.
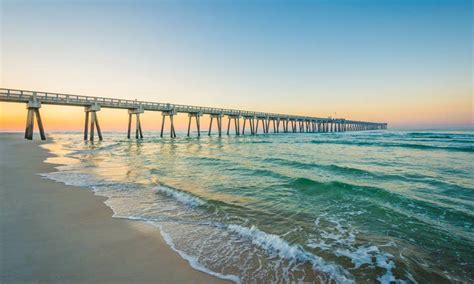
point(91, 111)
point(218, 118)
point(196, 116)
point(236, 119)
point(171, 112)
point(138, 127)
point(33, 107)
point(251, 120)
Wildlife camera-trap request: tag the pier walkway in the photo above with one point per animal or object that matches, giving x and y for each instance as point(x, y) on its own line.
point(269, 121)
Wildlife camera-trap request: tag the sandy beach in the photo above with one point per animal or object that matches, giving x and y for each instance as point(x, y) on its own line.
point(50, 232)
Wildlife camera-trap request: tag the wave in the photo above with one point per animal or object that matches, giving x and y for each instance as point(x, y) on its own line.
point(256, 142)
point(468, 149)
point(78, 179)
point(275, 244)
point(95, 149)
point(371, 255)
point(331, 167)
point(193, 260)
point(85, 180)
point(335, 187)
point(74, 179)
point(411, 205)
point(304, 183)
point(180, 196)
point(432, 136)
point(432, 181)
point(362, 173)
point(438, 135)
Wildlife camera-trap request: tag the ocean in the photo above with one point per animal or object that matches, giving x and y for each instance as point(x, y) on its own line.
point(366, 207)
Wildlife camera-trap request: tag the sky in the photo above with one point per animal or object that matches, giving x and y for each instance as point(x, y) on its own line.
point(407, 63)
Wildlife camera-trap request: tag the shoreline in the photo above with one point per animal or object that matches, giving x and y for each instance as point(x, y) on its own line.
point(52, 232)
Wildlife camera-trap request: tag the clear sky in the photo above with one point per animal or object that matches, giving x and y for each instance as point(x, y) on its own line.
point(408, 63)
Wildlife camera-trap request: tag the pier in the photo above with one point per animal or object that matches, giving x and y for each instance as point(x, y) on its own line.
point(253, 120)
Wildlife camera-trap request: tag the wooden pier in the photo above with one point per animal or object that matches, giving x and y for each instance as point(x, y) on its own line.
point(92, 105)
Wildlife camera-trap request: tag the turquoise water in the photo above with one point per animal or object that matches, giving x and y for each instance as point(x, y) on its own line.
point(376, 206)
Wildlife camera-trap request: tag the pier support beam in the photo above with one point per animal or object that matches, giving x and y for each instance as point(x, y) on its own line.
point(218, 118)
point(171, 114)
point(285, 125)
point(276, 124)
point(251, 122)
point(33, 107)
point(256, 126)
point(265, 124)
point(94, 122)
point(138, 127)
point(293, 126)
point(236, 119)
point(197, 117)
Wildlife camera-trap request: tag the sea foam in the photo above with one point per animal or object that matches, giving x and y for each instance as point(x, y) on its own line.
point(275, 244)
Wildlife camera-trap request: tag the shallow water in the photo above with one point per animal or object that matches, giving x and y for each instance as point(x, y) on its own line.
point(374, 206)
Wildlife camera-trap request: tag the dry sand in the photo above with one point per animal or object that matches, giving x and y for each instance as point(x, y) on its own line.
point(50, 232)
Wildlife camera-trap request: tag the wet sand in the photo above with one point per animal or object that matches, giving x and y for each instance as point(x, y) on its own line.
point(51, 232)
